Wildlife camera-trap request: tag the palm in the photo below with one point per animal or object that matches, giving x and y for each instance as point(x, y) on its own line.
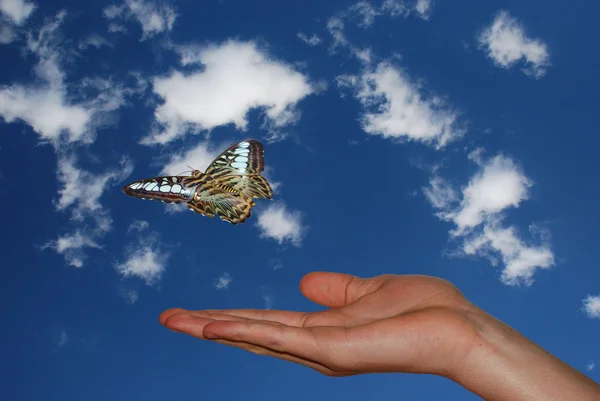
point(384, 324)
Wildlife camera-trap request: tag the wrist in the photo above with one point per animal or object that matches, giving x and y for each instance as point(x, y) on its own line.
point(505, 365)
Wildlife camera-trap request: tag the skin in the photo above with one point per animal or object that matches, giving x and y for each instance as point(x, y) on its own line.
point(391, 323)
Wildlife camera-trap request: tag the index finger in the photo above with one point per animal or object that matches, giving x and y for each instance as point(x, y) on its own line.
point(289, 318)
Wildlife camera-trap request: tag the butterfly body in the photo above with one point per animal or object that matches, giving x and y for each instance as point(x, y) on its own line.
point(227, 188)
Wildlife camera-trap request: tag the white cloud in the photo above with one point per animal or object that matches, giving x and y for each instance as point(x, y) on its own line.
point(268, 300)
point(223, 281)
point(154, 17)
point(313, 40)
point(198, 157)
point(143, 262)
point(72, 246)
point(237, 77)
point(366, 12)
point(395, 108)
point(48, 106)
point(63, 338)
point(395, 8)
point(591, 306)
point(423, 8)
point(93, 40)
point(81, 190)
point(590, 366)
point(440, 193)
point(130, 296)
point(276, 264)
point(17, 10)
point(506, 43)
point(276, 222)
point(145, 258)
point(7, 34)
point(478, 212)
point(497, 186)
point(46, 111)
point(114, 28)
point(138, 226)
point(520, 260)
point(335, 27)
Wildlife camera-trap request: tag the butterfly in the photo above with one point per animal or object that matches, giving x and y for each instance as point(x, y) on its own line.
point(227, 188)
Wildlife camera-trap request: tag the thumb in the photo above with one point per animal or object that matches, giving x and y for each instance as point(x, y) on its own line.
point(335, 290)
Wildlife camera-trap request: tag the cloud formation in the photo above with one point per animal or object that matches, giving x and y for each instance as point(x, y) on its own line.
point(278, 223)
point(198, 157)
point(145, 257)
point(313, 40)
point(154, 17)
point(506, 43)
point(80, 193)
point(236, 77)
point(477, 213)
point(59, 114)
point(591, 306)
point(394, 107)
point(18, 11)
point(223, 281)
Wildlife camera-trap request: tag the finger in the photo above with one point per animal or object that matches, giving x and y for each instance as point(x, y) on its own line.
point(199, 322)
point(275, 336)
point(289, 318)
point(287, 343)
point(335, 290)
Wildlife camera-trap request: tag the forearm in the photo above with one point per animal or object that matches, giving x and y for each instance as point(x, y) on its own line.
point(505, 366)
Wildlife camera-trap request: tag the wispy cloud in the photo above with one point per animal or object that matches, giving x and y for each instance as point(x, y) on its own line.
point(138, 226)
point(478, 212)
point(499, 185)
point(81, 190)
point(130, 296)
point(59, 114)
point(395, 108)
point(72, 245)
point(278, 223)
point(236, 77)
point(154, 17)
point(93, 40)
point(145, 257)
point(268, 300)
point(591, 306)
point(506, 43)
point(63, 338)
point(198, 157)
point(80, 193)
point(312, 40)
point(366, 13)
point(423, 8)
point(223, 281)
point(18, 11)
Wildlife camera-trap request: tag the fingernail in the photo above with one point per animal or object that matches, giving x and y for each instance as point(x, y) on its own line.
point(211, 335)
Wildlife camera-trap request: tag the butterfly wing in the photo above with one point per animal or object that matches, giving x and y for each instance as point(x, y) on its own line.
point(243, 158)
point(238, 168)
point(169, 189)
point(211, 200)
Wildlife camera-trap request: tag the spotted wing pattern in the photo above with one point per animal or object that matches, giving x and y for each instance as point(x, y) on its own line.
point(238, 168)
point(170, 189)
point(211, 200)
point(226, 189)
point(245, 157)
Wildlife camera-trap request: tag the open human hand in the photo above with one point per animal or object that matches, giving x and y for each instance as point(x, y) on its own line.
point(389, 323)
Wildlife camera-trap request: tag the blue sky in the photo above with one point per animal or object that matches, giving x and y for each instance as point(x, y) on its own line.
point(455, 139)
